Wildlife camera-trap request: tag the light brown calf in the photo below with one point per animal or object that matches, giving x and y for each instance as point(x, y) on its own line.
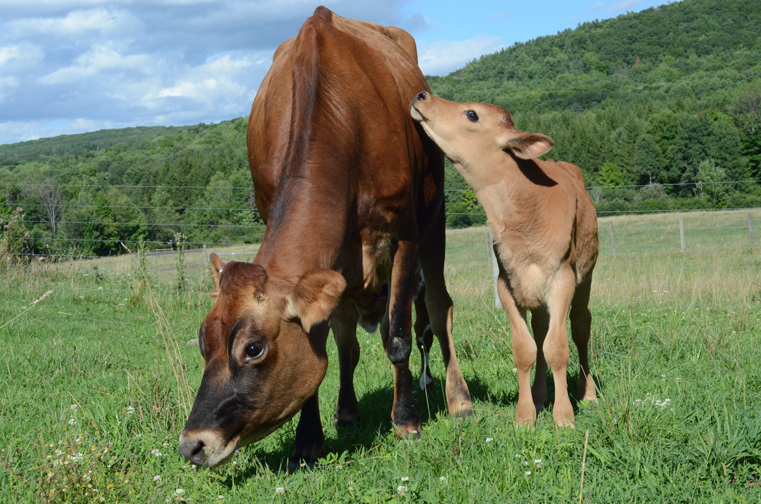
point(545, 236)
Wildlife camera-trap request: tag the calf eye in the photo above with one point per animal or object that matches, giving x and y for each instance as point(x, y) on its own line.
point(472, 116)
point(254, 350)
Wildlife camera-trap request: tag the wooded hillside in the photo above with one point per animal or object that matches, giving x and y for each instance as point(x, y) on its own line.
point(661, 110)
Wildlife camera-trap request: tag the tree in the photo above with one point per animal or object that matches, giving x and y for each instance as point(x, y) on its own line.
point(52, 203)
point(610, 175)
point(14, 246)
point(710, 181)
point(648, 160)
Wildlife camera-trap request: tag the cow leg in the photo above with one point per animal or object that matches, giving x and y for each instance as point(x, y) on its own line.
point(555, 346)
point(309, 437)
point(397, 338)
point(345, 334)
point(540, 321)
point(524, 351)
point(581, 322)
point(424, 336)
point(440, 310)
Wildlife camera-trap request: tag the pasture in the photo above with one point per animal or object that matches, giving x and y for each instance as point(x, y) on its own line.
point(97, 381)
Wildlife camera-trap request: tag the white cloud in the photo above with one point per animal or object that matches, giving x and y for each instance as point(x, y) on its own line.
point(221, 86)
point(74, 24)
point(98, 60)
point(6, 84)
point(417, 23)
point(624, 5)
point(444, 56)
point(597, 6)
point(20, 53)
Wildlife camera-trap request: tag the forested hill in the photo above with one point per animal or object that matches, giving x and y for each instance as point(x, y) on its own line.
point(688, 50)
point(661, 110)
point(94, 141)
point(670, 96)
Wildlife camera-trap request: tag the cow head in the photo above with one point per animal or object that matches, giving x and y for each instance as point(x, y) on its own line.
point(470, 134)
point(264, 346)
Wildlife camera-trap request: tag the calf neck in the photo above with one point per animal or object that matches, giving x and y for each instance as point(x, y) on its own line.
point(545, 237)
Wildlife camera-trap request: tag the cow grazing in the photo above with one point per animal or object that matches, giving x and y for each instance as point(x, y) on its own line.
point(352, 193)
point(545, 236)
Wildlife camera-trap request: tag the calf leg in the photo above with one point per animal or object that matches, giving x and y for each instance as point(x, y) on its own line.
point(440, 309)
point(555, 346)
point(345, 334)
point(581, 322)
point(524, 351)
point(397, 338)
point(540, 321)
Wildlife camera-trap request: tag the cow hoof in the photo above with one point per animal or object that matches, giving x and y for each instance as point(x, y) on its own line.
point(408, 432)
point(345, 420)
point(297, 463)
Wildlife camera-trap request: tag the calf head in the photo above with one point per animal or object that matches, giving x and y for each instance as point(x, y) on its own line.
point(264, 346)
point(472, 135)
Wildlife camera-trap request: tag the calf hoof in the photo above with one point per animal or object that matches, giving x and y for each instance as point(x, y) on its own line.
point(464, 410)
point(564, 421)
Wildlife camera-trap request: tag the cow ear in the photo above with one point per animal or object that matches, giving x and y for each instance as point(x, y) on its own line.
point(315, 297)
point(215, 267)
point(525, 145)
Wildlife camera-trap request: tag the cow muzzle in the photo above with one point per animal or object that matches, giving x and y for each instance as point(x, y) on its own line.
point(205, 448)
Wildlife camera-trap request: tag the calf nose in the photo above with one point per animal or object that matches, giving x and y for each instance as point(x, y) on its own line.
point(193, 451)
point(421, 96)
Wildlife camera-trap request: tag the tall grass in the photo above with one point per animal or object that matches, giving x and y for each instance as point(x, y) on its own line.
point(97, 389)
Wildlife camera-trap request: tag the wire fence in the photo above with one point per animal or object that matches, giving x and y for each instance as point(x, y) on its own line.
point(154, 225)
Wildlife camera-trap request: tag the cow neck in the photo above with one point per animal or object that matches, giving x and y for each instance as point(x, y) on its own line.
point(307, 224)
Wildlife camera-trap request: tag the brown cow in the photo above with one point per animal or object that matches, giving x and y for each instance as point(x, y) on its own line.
point(545, 235)
point(352, 193)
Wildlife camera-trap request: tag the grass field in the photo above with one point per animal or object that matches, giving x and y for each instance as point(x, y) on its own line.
point(97, 381)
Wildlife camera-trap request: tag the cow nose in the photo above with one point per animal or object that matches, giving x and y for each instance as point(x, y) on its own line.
point(421, 96)
point(194, 452)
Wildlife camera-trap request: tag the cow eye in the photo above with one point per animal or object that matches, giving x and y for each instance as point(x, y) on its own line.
point(254, 351)
point(472, 116)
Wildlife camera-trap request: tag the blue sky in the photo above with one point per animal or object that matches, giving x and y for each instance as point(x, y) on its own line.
point(70, 66)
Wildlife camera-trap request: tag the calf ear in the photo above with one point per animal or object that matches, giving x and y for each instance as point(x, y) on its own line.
point(315, 297)
point(525, 145)
point(215, 267)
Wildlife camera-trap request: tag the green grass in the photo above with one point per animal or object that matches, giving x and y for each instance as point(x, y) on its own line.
point(97, 382)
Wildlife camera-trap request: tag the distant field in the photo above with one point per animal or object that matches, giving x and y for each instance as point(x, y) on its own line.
point(98, 381)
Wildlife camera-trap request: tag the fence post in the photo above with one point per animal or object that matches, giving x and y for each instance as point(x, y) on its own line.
point(750, 230)
point(494, 267)
point(681, 233)
point(613, 238)
point(205, 255)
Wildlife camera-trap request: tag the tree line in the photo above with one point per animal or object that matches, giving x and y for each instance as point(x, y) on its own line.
point(660, 109)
